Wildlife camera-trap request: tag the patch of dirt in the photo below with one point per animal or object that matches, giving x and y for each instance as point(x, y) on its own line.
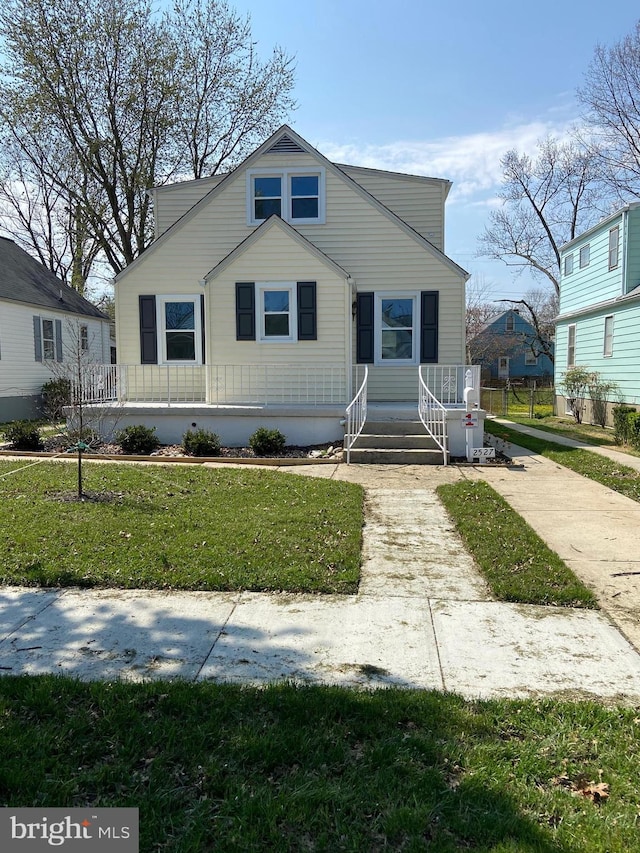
point(87, 497)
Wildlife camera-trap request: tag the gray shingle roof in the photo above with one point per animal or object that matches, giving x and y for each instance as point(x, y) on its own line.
point(24, 279)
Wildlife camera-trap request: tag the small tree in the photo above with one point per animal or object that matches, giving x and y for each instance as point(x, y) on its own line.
point(574, 385)
point(90, 400)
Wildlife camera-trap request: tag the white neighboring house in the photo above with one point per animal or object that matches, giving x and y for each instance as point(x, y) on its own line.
point(39, 316)
point(269, 291)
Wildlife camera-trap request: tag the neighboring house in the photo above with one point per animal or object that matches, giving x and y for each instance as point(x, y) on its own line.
point(40, 320)
point(507, 348)
point(599, 317)
point(268, 290)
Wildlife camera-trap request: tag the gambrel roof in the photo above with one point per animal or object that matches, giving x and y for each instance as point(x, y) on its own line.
point(24, 279)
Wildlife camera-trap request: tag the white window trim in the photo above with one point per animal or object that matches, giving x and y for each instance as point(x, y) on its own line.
point(510, 323)
point(377, 338)
point(608, 353)
point(567, 265)
point(160, 321)
point(530, 358)
point(571, 362)
point(614, 249)
point(586, 248)
point(292, 288)
point(286, 175)
point(51, 320)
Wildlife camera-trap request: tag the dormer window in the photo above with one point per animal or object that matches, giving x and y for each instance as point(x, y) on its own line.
point(295, 195)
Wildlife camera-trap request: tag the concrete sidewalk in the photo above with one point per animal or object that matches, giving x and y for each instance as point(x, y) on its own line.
point(423, 617)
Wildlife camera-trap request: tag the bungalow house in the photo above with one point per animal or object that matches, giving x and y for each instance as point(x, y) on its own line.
point(281, 293)
point(599, 316)
point(507, 347)
point(41, 320)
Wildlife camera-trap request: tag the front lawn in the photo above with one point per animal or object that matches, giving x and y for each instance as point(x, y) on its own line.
point(516, 563)
point(160, 527)
point(221, 768)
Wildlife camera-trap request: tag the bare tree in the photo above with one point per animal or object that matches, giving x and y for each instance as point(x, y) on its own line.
point(102, 101)
point(546, 202)
point(610, 97)
point(540, 308)
point(480, 309)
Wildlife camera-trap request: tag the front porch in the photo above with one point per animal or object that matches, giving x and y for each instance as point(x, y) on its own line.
point(309, 404)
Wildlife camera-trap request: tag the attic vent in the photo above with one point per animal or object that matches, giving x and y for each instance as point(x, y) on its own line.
point(286, 145)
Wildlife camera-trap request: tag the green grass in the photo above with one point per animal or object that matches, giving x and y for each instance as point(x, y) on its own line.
point(178, 528)
point(515, 562)
point(603, 470)
point(587, 433)
point(218, 767)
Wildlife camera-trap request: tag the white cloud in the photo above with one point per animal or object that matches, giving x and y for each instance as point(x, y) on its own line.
point(471, 162)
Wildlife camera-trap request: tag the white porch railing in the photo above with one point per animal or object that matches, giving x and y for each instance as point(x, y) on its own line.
point(227, 384)
point(356, 415)
point(447, 382)
point(433, 416)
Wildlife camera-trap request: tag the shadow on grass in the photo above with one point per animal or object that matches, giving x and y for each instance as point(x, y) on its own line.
point(217, 767)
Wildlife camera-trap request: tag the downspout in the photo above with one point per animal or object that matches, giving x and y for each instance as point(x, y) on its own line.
point(204, 320)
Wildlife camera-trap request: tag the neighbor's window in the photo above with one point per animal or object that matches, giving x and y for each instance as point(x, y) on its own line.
point(277, 305)
point(509, 324)
point(585, 253)
point(84, 338)
point(568, 264)
point(295, 196)
point(608, 336)
point(48, 340)
point(530, 358)
point(396, 328)
point(571, 345)
point(180, 329)
point(614, 235)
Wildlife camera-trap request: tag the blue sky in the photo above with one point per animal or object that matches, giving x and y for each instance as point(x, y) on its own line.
point(440, 89)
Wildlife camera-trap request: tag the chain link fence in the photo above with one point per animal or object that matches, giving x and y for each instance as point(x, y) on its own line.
point(527, 402)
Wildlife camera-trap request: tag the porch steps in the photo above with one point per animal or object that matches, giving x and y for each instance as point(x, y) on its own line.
point(395, 442)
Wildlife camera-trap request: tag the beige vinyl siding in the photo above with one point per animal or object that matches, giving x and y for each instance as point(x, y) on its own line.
point(417, 201)
point(278, 258)
point(20, 373)
point(363, 240)
point(173, 201)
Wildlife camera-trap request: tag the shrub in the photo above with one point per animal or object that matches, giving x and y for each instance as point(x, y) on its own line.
point(201, 442)
point(574, 384)
point(267, 442)
point(621, 424)
point(600, 393)
point(56, 394)
point(633, 419)
point(23, 435)
point(87, 436)
point(138, 439)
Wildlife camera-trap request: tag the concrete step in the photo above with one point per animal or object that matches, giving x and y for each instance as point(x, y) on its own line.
point(418, 441)
point(395, 456)
point(395, 426)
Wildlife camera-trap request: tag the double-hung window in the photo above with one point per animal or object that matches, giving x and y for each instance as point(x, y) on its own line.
point(295, 195)
point(277, 312)
point(608, 336)
point(84, 338)
point(568, 264)
point(179, 322)
point(396, 318)
point(614, 235)
point(571, 345)
point(585, 253)
point(48, 340)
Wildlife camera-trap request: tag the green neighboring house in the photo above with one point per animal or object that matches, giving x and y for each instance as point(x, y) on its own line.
point(598, 325)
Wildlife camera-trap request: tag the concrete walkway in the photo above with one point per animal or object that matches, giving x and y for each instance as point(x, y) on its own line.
point(423, 617)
